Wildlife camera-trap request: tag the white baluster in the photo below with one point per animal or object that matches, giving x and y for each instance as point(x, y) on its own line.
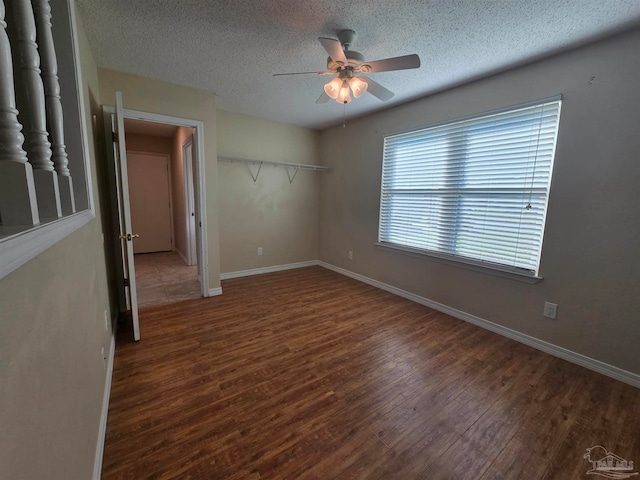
point(55, 122)
point(18, 204)
point(31, 104)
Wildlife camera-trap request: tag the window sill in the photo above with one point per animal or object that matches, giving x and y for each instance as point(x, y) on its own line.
point(468, 264)
point(19, 248)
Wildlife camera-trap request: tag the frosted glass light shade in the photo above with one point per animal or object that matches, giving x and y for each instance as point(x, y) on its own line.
point(344, 95)
point(333, 88)
point(358, 86)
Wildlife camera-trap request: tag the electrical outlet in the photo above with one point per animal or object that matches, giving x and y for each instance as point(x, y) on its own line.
point(550, 310)
point(350, 254)
point(106, 320)
point(259, 251)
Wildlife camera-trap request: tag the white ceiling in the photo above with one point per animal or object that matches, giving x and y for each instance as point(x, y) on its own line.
point(232, 47)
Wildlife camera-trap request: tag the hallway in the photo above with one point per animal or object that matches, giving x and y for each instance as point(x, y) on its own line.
point(164, 278)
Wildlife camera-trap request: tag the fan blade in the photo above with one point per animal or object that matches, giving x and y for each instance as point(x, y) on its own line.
point(388, 64)
point(334, 49)
point(304, 73)
point(324, 98)
point(377, 90)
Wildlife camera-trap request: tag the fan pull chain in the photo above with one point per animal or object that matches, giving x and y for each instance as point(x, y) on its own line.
point(344, 116)
point(535, 159)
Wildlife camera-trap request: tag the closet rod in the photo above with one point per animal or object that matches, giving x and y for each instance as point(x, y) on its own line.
point(301, 166)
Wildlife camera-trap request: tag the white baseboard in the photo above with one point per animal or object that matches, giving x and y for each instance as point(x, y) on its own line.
point(182, 256)
point(560, 352)
point(275, 268)
point(102, 430)
point(213, 292)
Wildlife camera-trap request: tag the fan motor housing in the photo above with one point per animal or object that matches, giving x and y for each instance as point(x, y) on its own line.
point(354, 58)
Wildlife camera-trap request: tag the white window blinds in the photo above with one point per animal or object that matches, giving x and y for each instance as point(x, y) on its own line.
point(475, 189)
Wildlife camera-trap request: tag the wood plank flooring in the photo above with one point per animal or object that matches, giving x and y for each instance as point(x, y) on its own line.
point(307, 374)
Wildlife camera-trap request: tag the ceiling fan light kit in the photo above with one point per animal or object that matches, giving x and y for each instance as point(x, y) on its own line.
point(344, 96)
point(333, 88)
point(358, 86)
point(345, 64)
point(340, 88)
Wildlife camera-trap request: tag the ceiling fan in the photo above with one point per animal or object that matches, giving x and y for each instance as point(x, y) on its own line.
point(348, 66)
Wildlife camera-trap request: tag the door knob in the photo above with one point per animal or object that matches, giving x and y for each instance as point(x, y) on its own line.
point(128, 237)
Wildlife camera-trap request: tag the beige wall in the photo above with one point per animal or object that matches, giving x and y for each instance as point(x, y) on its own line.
point(51, 334)
point(149, 143)
point(154, 96)
point(590, 261)
point(281, 218)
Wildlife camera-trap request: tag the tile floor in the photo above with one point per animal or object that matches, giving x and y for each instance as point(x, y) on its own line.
point(164, 278)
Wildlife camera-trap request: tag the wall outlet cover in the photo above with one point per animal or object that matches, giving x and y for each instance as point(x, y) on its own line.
point(550, 310)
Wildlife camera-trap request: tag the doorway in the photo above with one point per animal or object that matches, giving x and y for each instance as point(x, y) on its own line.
point(163, 277)
point(166, 269)
point(162, 201)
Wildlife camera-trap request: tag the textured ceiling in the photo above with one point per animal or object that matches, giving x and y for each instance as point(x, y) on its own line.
point(232, 47)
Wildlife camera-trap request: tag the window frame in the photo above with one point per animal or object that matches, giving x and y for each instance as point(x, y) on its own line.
point(19, 248)
point(483, 266)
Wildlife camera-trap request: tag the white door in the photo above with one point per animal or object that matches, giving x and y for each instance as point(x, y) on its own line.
point(187, 161)
point(150, 201)
point(126, 234)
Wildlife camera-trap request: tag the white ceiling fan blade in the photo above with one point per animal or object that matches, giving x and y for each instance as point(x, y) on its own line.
point(377, 90)
point(334, 49)
point(388, 64)
point(304, 73)
point(324, 98)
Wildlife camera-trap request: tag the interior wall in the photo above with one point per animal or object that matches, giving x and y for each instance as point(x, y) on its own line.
point(149, 143)
point(177, 185)
point(590, 260)
point(154, 96)
point(52, 330)
point(279, 216)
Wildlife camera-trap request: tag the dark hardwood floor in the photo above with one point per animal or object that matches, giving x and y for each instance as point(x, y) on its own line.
point(307, 374)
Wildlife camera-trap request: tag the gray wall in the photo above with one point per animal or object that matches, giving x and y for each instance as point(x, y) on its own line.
point(591, 255)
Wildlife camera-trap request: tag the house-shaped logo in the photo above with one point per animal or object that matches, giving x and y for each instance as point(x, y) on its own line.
point(607, 464)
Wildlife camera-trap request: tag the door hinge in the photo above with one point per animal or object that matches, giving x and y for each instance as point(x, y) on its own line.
point(126, 282)
point(114, 137)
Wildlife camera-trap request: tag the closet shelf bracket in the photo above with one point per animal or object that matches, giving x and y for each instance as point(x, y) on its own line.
point(295, 172)
point(292, 168)
point(255, 177)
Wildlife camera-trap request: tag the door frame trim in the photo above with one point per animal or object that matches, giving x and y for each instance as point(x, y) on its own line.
point(189, 191)
point(198, 140)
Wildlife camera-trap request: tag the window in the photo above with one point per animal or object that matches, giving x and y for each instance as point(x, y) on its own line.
point(473, 190)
